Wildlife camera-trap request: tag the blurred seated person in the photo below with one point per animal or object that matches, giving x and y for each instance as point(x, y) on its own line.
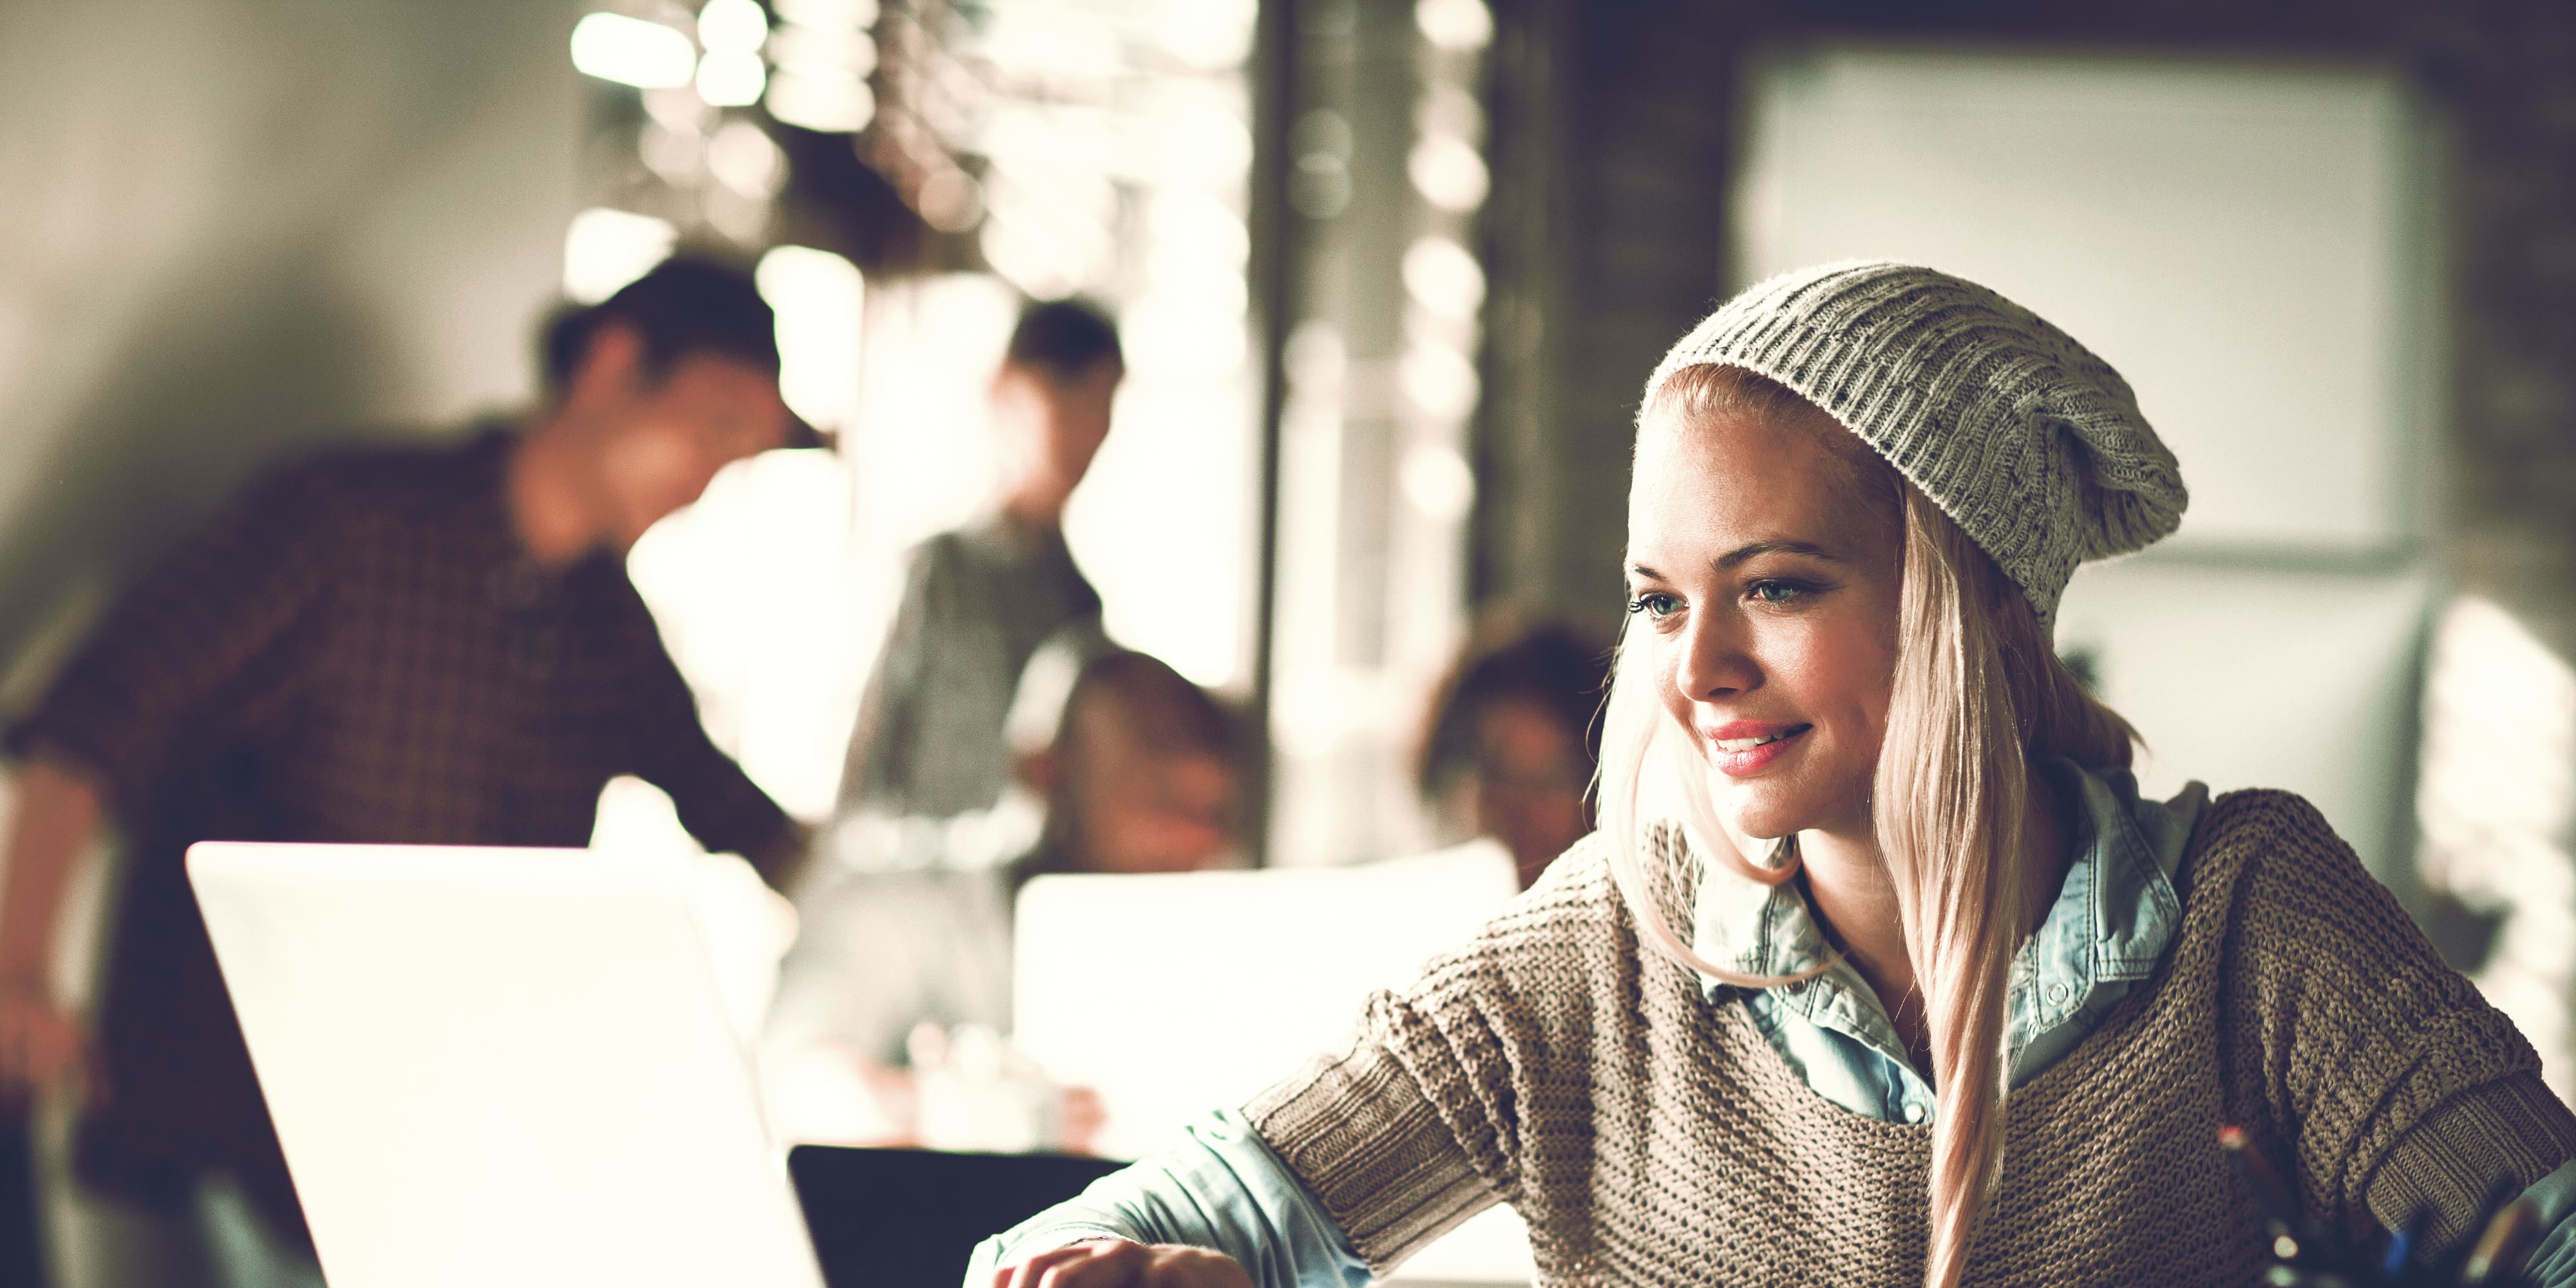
point(1512, 739)
point(1141, 775)
point(979, 600)
point(413, 645)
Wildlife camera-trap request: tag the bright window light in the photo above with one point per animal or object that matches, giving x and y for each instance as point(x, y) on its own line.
point(1455, 24)
point(743, 158)
point(2496, 801)
point(605, 249)
point(1440, 380)
point(851, 51)
point(818, 296)
point(631, 51)
point(1208, 34)
point(731, 77)
point(736, 26)
point(1438, 482)
point(829, 13)
point(1448, 173)
point(1444, 277)
point(830, 99)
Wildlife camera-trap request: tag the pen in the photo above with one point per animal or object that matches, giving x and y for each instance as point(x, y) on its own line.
point(2280, 1209)
point(2402, 1243)
point(2500, 1250)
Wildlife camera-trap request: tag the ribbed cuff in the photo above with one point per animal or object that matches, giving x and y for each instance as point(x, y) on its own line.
point(2512, 1128)
point(1361, 1137)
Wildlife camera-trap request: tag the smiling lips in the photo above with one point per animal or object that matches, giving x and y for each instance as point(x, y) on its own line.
point(1745, 746)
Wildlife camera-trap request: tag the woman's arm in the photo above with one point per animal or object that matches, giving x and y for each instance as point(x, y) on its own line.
point(2402, 1090)
point(1372, 1151)
point(2512, 1128)
point(1223, 1190)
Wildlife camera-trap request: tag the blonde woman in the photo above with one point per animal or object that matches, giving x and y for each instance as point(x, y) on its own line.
point(1878, 970)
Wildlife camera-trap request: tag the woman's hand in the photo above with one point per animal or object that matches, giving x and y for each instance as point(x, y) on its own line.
point(1117, 1263)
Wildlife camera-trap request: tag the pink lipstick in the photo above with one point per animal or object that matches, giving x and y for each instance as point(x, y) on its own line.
point(1742, 747)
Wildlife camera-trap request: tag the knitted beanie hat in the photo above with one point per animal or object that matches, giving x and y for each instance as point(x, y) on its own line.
point(2034, 446)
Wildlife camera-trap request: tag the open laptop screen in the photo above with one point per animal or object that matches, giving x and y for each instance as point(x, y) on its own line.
point(910, 1218)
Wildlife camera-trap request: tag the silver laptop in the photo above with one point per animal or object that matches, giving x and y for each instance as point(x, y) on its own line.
point(500, 1067)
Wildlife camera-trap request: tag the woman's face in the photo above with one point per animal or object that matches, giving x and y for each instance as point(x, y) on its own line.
point(1765, 575)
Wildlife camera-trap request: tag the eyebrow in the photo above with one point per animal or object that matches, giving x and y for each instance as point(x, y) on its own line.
point(1754, 549)
point(1776, 546)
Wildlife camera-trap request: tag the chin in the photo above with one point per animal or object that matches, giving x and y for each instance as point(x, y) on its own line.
point(1763, 810)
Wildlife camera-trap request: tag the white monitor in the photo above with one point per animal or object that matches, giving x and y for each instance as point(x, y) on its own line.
point(500, 1067)
point(1268, 968)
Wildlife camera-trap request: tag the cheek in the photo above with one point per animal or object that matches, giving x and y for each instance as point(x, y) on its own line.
point(1845, 678)
point(662, 465)
point(646, 453)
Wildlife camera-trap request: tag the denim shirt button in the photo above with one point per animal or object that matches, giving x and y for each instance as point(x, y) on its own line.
point(2057, 994)
point(1914, 1112)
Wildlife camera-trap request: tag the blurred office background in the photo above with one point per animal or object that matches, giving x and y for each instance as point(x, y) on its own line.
point(1390, 273)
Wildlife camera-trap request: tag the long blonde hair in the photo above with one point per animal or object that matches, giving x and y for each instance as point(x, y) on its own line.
point(1977, 698)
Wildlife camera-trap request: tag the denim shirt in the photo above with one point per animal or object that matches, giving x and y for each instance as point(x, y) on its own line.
point(2110, 924)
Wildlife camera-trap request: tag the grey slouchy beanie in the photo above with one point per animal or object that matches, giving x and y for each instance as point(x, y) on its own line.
point(2033, 445)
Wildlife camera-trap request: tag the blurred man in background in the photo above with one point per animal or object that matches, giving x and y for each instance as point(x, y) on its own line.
point(420, 646)
point(1142, 774)
point(978, 601)
point(1512, 741)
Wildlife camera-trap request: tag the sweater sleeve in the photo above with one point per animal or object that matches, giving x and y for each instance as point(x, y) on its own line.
point(1414, 1126)
point(1361, 1129)
point(2394, 1080)
point(2512, 1129)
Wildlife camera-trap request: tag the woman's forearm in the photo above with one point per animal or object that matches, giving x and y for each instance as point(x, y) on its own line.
point(1222, 1190)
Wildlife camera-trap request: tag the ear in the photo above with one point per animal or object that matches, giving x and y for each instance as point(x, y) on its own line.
point(610, 361)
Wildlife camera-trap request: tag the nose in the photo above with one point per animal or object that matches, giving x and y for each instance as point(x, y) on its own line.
point(1715, 662)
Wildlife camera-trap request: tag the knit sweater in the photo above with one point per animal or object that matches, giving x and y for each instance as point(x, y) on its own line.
point(1650, 1135)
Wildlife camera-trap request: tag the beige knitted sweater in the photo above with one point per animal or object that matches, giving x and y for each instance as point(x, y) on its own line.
point(1653, 1137)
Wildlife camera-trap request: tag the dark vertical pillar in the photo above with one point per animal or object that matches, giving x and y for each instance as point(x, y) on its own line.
point(1606, 234)
point(1273, 287)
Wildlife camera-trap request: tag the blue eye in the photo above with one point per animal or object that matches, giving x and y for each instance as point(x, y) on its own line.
point(1774, 592)
point(1655, 604)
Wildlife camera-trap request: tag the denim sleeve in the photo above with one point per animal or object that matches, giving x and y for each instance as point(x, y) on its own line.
point(2553, 1263)
point(1223, 1189)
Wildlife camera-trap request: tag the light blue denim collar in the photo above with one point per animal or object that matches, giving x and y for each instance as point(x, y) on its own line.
point(2110, 923)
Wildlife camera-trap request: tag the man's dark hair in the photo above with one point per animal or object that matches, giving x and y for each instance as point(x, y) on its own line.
point(686, 306)
point(1064, 340)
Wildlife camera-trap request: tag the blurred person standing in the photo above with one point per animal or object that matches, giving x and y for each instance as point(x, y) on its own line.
point(1142, 774)
point(1509, 749)
point(386, 645)
point(979, 600)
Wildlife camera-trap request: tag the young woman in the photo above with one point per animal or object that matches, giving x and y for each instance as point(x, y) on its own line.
point(1878, 969)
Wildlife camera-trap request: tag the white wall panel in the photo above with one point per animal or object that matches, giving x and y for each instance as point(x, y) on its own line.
point(2244, 241)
